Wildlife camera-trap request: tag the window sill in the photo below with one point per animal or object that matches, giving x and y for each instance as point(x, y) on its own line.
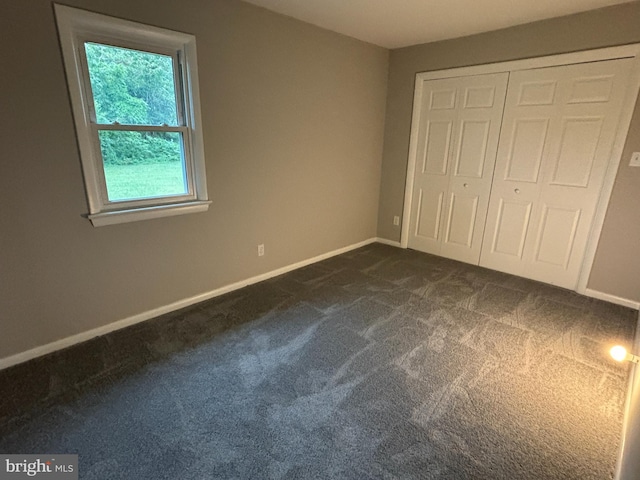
point(147, 213)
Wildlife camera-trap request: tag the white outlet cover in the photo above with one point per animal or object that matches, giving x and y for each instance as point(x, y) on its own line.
point(635, 160)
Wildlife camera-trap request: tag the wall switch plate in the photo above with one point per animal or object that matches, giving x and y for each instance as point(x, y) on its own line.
point(261, 250)
point(635, 160)
point(396, 220)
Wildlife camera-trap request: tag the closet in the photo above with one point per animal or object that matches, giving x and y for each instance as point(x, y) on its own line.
point(508, 167)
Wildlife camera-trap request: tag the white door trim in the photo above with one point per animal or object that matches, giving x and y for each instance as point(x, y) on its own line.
point(625, 51)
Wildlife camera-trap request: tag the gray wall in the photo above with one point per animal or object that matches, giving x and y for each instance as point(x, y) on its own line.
point(617, 263)
point(293, 121)
point(616, 269)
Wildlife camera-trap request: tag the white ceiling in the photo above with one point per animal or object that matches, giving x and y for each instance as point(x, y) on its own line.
point(399, 23)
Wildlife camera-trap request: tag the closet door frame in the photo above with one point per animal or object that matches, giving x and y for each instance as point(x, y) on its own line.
point(611, 53)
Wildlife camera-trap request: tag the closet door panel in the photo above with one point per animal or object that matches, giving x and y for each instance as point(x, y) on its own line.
point(455, 155)
point(431, 178)
point(473, 160)
point(507, 233)
point(558, 131)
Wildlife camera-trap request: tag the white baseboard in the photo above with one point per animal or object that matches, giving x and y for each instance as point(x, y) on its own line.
point(588, 292)
point(612, 299)
point(141, 317)
point(388, 242)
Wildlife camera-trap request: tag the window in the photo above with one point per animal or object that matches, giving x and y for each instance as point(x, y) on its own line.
point(134, 94)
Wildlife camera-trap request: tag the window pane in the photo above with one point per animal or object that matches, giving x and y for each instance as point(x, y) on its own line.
point(131, 87)
point(142, 164)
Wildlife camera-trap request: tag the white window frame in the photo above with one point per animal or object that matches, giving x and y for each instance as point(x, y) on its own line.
point(76, 27)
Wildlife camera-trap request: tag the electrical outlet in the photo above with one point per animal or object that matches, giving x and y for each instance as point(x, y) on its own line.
point(635, 160)
point(396, 220)
point(261, 250)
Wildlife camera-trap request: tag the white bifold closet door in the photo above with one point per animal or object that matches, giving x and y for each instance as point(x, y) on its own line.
point(557, 136)
point(459, 128)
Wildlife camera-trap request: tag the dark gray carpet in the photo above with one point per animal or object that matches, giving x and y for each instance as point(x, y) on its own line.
point(380, 363)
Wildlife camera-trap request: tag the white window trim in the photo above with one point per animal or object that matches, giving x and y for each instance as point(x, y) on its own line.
point(77, 26)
